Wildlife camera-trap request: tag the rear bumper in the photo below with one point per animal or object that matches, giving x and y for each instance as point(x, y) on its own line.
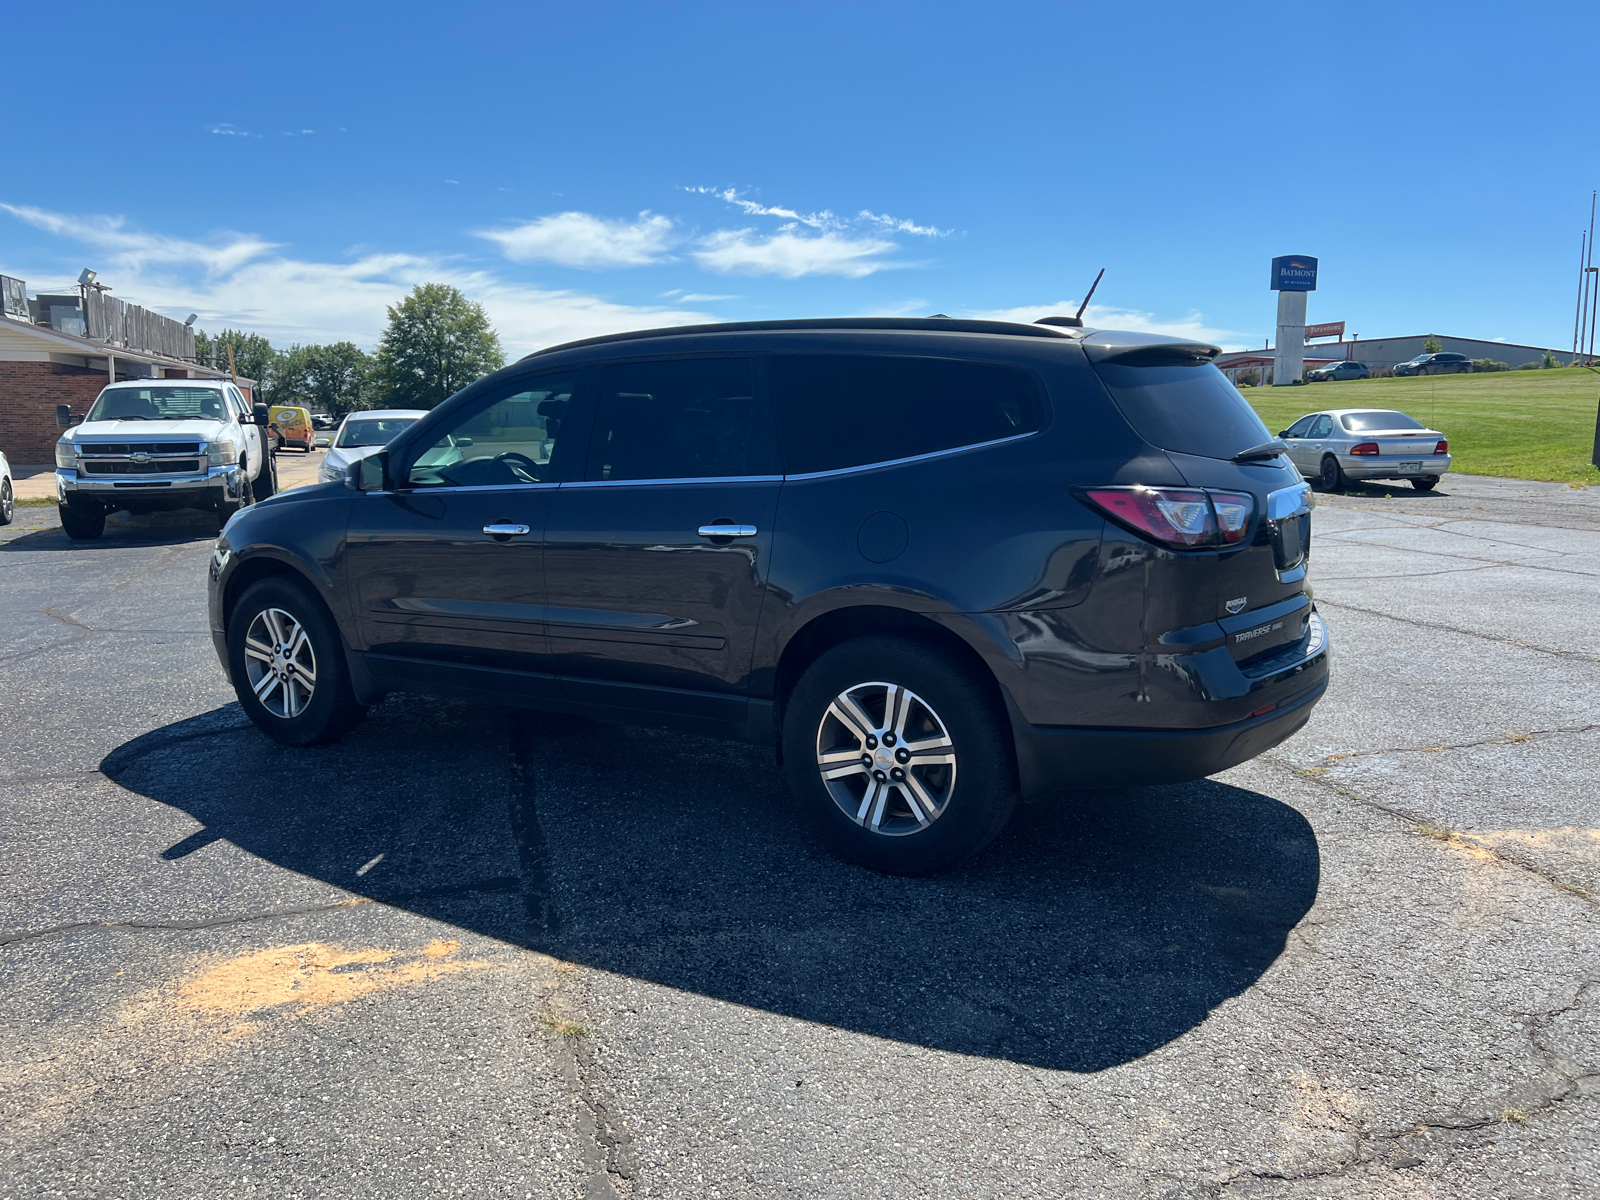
point(1278, 694)
point(1361, 467)
point(1051, 760)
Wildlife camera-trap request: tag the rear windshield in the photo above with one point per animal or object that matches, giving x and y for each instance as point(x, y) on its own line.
point(1193, 410)
point(372, 431)
point(158, 404)
point(1378, 419)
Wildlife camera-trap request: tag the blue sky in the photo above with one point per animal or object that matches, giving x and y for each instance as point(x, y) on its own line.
point(293, 168)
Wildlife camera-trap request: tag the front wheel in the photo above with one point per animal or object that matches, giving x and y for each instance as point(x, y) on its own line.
point(83, 520)
point(899, 755)
point(287, 665)
point(266, 484)
point(8, 502)
point(1331, 477)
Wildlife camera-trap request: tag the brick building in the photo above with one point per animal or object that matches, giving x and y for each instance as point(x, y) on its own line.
point(43, 365)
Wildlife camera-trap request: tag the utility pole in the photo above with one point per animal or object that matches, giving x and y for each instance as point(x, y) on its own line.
point(1583, 294)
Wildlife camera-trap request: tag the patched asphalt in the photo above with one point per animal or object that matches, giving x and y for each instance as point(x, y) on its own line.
point(471, 951)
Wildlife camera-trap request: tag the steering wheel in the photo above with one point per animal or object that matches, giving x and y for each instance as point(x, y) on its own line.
point(520, 463)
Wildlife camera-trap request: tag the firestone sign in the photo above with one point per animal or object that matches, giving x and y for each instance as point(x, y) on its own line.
point(1294, 273)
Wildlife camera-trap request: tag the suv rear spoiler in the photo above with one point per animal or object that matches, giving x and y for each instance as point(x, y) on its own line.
point(1153, 353)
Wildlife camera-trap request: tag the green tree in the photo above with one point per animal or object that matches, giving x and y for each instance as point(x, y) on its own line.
point(1432, 346)
point(437, 342)
point(333, 379)
point(253, 357)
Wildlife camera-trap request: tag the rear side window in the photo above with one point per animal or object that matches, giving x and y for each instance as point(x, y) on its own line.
point(1189, 409)
point(850, 410)
point(680, 419)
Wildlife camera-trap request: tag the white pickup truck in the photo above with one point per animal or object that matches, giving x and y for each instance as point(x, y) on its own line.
point(150, 445)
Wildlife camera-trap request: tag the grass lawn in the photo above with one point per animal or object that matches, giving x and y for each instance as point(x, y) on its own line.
point(1521, 424)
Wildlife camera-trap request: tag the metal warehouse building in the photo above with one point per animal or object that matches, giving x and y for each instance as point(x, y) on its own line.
point(1379, 353)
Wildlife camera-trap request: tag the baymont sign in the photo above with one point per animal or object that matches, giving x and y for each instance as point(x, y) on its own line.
point(1294, 273)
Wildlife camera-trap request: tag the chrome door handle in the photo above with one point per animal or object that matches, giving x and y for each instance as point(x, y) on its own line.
point(505, 529)
point(727, 531)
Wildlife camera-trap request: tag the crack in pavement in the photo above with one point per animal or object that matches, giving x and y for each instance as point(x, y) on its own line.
point(31, 935)
point(1571, 655)
point(1516, 737)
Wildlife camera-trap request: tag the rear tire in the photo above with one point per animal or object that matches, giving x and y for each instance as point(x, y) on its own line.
point(957, 776)
point(1331, 477)
point(287, 664)
point(83, 520)
point(8, 502)
point(1425, 483)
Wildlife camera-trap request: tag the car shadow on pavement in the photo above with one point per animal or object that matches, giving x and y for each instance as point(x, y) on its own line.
point(122, 530)
point(1093, 931)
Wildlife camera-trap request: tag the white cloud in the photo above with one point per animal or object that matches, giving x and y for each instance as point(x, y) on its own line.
point(896, 225)
point(579, 239)
point(1100, 316)
point(243, 282)
point(791, 254)
point(133, 249)
point(226, 130)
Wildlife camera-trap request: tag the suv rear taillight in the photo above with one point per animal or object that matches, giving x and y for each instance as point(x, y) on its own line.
point(1443, 447)
point(1182, 517)
point(1365, 448)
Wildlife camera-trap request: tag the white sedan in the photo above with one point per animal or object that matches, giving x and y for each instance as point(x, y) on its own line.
point(361, 434)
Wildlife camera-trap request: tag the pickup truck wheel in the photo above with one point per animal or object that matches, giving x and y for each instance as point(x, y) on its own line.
point(84, 520)
point(899, 755)
point(266, 484)
point(287, 664)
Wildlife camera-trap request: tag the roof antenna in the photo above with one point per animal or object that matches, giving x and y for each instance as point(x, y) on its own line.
point(1075, 322)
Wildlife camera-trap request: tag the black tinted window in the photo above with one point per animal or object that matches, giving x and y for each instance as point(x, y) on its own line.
point(683, 419)
point(1193, 410)
point(838, 411)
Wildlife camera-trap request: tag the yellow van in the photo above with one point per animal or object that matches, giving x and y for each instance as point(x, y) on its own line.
point(293, 425)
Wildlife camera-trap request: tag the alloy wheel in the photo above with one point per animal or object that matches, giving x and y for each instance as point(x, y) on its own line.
point(886, 758)
point(280, 663)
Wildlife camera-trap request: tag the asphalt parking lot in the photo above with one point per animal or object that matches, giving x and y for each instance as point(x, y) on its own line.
point(476, 952)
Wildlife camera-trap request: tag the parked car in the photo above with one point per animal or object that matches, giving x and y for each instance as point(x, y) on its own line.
point(1435, 364)
point(938, 564)
point(294, 426)
point(364, 433)
point(1341, 444)
point(8, 493)
point(1337, 371)
point(323, 422)
point(148, 446)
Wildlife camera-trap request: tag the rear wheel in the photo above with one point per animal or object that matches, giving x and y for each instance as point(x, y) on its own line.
point(8, 502)
point(83, 520)
point(287, 665)
point(1425, 483)
point(1331, 477)
point(899, 755)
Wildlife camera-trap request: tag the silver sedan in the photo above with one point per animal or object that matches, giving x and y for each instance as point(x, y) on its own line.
point(1342, 444)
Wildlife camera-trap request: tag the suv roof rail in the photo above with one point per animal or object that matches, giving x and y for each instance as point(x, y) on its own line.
point(935, 324)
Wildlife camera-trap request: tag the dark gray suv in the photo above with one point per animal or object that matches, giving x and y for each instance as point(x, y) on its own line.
point(937, 564)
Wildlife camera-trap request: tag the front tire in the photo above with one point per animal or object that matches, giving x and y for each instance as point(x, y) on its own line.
point(1331, 477)
point(287, 664)
point(83, 520)
point(266, 483)
point(899, 755)
point(8, 502)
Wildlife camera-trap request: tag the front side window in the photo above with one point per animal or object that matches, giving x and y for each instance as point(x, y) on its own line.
point(838, 411)
point(1300, 428)
point(372, 431)
point(159, 403)
point(679, 419)
point(503, 443)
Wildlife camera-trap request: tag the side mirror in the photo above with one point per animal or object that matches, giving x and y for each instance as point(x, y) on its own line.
point(64, 418)
point(463, 441)
point(1283, 433)
point(261, 416)
point(369, 474)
